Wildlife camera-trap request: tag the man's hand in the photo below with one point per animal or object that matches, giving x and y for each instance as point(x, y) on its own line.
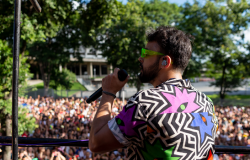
point(112, 84)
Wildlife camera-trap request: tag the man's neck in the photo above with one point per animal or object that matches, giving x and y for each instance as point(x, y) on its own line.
point(164, 77)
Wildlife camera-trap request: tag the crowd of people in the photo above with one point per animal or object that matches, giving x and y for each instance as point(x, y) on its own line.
point(70, 118)
point(65, 118)
point(233, 130)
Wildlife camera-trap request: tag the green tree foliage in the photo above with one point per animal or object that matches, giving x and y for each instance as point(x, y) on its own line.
point(78, 21)
point(166, 14)
point(122, 41)
point(6, 63)
point(34, 26)
point(51, 52)
point(162, 12)
point(64, 79)
point(246, 61)
point(24, 121)
point(92, 16)
point(38, 27)
point(49, 55)
point(215, 26)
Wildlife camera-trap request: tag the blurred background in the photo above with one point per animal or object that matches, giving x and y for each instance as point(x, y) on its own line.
point(68, 48)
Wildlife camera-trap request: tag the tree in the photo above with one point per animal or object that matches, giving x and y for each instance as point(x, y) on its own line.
point(41, 28)
point(162, 12)
point(55, 25)
point(122, 41)
point(215, 26)
point(35, 27)
point(49, 55)
point(24, 121)
point(64, 79)
point(74, 31)
point(166, 14)
point(246, 61)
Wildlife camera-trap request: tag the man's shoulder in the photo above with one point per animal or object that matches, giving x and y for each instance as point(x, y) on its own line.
point(147, 93)
point(203, 97)
point(168, 91)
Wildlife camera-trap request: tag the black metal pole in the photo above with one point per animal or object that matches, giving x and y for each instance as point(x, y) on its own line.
point(34, 142)
point(15, 74)
point(232, 149)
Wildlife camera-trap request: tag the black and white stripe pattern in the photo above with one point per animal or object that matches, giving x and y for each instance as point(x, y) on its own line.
point(172, 129)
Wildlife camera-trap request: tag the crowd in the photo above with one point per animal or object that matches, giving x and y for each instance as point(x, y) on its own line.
point(70, 118)
point(65, 118)
point(233, 130)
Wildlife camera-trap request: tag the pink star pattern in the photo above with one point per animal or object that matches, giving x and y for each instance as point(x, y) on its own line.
point(179, 99)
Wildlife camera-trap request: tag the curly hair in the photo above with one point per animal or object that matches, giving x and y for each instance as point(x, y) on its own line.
point(175, 43)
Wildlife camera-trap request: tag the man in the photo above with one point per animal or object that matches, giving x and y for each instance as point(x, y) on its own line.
point(171, 120)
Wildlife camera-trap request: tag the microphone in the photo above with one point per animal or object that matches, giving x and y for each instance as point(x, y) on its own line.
point(122, 75)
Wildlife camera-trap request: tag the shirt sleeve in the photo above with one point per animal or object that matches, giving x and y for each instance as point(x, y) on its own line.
point(117, 132)
point(215, 119)
point(127, 125)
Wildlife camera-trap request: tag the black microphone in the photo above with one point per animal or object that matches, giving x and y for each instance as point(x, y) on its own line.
point(122, 75)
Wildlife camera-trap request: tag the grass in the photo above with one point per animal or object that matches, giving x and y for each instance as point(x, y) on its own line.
point(39, 85)
point(76, 87)
point(238, 97)
point(235, 100)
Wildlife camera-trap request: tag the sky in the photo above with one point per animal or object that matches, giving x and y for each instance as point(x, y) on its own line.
point(180, 2)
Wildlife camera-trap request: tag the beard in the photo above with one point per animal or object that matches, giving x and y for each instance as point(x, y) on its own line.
point(148, 75)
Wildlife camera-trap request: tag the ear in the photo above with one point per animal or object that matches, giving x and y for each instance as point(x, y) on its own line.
point(167, 60)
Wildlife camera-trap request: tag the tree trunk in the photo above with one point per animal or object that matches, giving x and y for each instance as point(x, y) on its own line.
point(46, 85)
point(46, 89)
point(7, 149)
point(222, 87)
point(45, 77)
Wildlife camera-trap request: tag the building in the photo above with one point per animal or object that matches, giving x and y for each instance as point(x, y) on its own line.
point(92, 70)
point(89, 72)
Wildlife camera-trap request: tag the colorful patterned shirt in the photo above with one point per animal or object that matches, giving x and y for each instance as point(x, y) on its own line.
point(172, 121)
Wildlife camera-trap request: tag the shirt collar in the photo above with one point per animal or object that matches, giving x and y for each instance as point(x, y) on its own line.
point(185, 83)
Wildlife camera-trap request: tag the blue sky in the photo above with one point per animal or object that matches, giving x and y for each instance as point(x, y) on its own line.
point(180, 2)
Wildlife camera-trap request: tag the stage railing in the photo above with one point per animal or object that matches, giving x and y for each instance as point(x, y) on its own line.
point(48, 142)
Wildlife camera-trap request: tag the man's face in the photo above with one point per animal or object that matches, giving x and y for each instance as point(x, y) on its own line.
point(149, 64)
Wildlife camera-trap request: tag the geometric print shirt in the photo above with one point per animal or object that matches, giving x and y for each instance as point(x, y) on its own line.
point(173, 121)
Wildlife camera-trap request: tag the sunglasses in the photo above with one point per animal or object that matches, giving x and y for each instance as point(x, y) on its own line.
point(146, 52)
